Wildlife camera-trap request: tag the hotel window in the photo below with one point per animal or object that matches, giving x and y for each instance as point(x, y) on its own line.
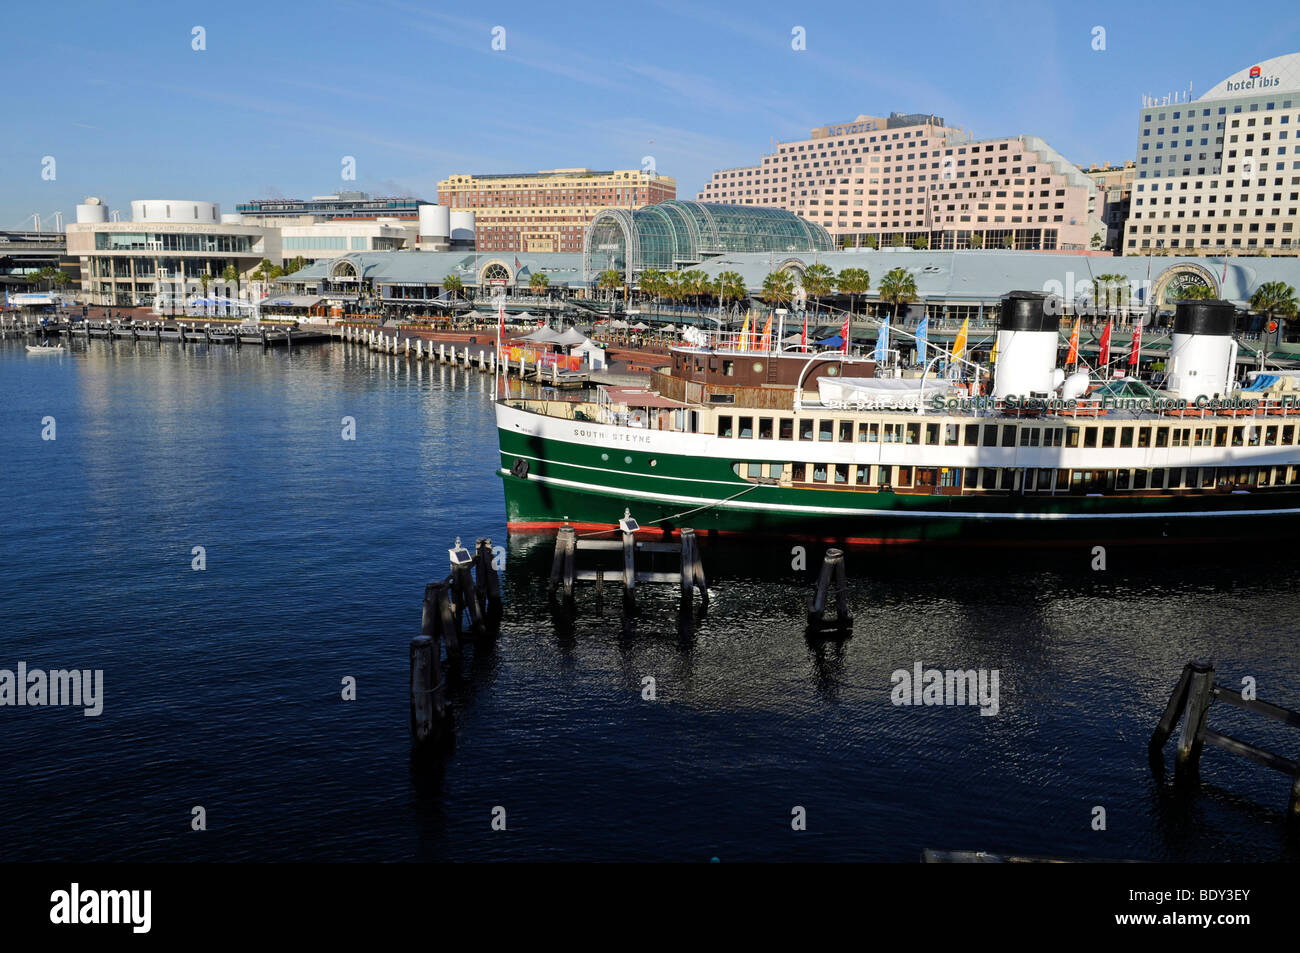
point(724, 427)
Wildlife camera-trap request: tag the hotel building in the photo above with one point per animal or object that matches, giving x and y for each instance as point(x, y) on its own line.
point(1114, 198)
point(911, 179)
point(544, 212)
point(1221, 174)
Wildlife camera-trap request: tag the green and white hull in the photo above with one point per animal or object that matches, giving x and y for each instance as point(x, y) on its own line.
point(558, 470)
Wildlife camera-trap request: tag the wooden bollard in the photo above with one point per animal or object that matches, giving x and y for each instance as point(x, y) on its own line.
point(629, 571)
point(428, 701)
point(448, 620)
point(467, 596)
point(688, 566)
point(1200, 689)
point(487, 582)
point(566, 543)
point(832, 570)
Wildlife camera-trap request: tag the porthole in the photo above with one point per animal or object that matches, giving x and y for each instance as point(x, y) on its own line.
point(654, 463)
point(758, 367)
point(832, 371)
point(604, 456)
point(627, 459)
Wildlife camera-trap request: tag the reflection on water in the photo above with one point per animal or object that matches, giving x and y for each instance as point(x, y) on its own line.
point(222, 686)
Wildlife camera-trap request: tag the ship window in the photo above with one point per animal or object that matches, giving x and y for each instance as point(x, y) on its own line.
point(1090, 436)
point(1029, 436)
point(1076, 482)
point(1139, 479)
point(755, 470)
point(885, 476)
point(1270, 436)
point(825, 429)
point(1009, 478)
point(971, 478)
point(932, 435)
point(1126, 436)
point(1054, 437)
point(950, 476)
point(805, 429)
point(925, 477)
point(1144, 437)
point(990, 436)
point(868, 432)
point(1252, 435)
point(1288, 435)
point(1045, 479)
point(747, 427)
point(724, 427)
point(972, 435)
point(728, 368)
point(863, 475)
point(951, 435)
point(1062, 480)
point(1071, 436)
point(1162, 436)
point(1175, 478)
point(1237, 436)
point(1158, 479)
point(893, 433)
point(1108, 436)
point(1121, 479)
point(764, 428)
point(1295, 476)
point(989, 478)
point(1009, 435)
point(904, 476)
point(913, 433)
point(846, 431)
point(797, 472)
point(1220, 436)
point(1265, 476)
point(819, 472)
point(787, 428)
point(841, 473)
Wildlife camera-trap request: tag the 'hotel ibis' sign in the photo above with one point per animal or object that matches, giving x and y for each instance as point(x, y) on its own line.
point(1255, 80)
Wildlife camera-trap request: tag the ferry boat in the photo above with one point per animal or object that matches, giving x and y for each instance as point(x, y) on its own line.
point(733, 439)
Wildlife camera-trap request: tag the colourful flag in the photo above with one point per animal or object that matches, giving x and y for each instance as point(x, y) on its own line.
point(993, 353)
point(1072, 356)
point(922, 339)
point(844, 335)
point(959, 345)
point(804, 342)
point(744, 334)
point(766, 344)
point(1135, 354)
point(882, 342)
point(1103, 354)
point(516, 263)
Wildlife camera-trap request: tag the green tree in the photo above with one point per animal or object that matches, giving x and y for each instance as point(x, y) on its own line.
point(872, 241)
point(921, 242)
point(1274, 298)
point(976, 241)
point(453, 285)
point(853, 282)
point(778, 288)
point(205, 279)
point(730, 286)
point(818, 281)
point(538, 283)
point(898, 241)
point(1008, 242)
point(651, 283)
point(1097, 240)
point(898, 287)
point(1197, 293)
point(608, 280)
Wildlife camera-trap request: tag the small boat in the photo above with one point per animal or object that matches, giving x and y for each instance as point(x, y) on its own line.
point(45, 349)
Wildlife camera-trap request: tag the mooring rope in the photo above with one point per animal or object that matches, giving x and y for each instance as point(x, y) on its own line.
point(674, 516)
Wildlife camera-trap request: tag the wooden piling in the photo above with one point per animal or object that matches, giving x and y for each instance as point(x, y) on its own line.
point(428, 704)
point(1200, 688)
point(832, 572)
point(566, 542)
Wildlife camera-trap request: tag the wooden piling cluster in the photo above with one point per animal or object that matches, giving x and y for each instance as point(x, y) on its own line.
point(832, 575)
point(1192, 697)
point(689, 577)
point(464, 606)
point(485, 361)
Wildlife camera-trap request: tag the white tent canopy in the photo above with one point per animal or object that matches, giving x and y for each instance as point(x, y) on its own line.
point(543, 335)
point(571, 338)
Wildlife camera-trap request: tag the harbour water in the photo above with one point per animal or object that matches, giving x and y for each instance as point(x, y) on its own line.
point(222, 686)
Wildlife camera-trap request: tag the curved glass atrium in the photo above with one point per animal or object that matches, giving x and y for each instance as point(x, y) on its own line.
point(680, 233)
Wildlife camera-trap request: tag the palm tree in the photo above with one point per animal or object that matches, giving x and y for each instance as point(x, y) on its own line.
point(609, 279)
point(731, 286)
point(1274, 297)
point(652, 283)
point(674, 286)
point(778, 288)
point(818, 280)
point(538, 283)
point(453, 284)
point(898, 287)
point(1107, 291)
point(853, 282)
point(1197, 293)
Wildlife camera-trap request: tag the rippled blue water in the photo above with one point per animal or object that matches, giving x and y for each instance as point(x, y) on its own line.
point(223, 686)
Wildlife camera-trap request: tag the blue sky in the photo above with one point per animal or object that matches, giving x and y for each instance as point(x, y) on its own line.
point(282, 92)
